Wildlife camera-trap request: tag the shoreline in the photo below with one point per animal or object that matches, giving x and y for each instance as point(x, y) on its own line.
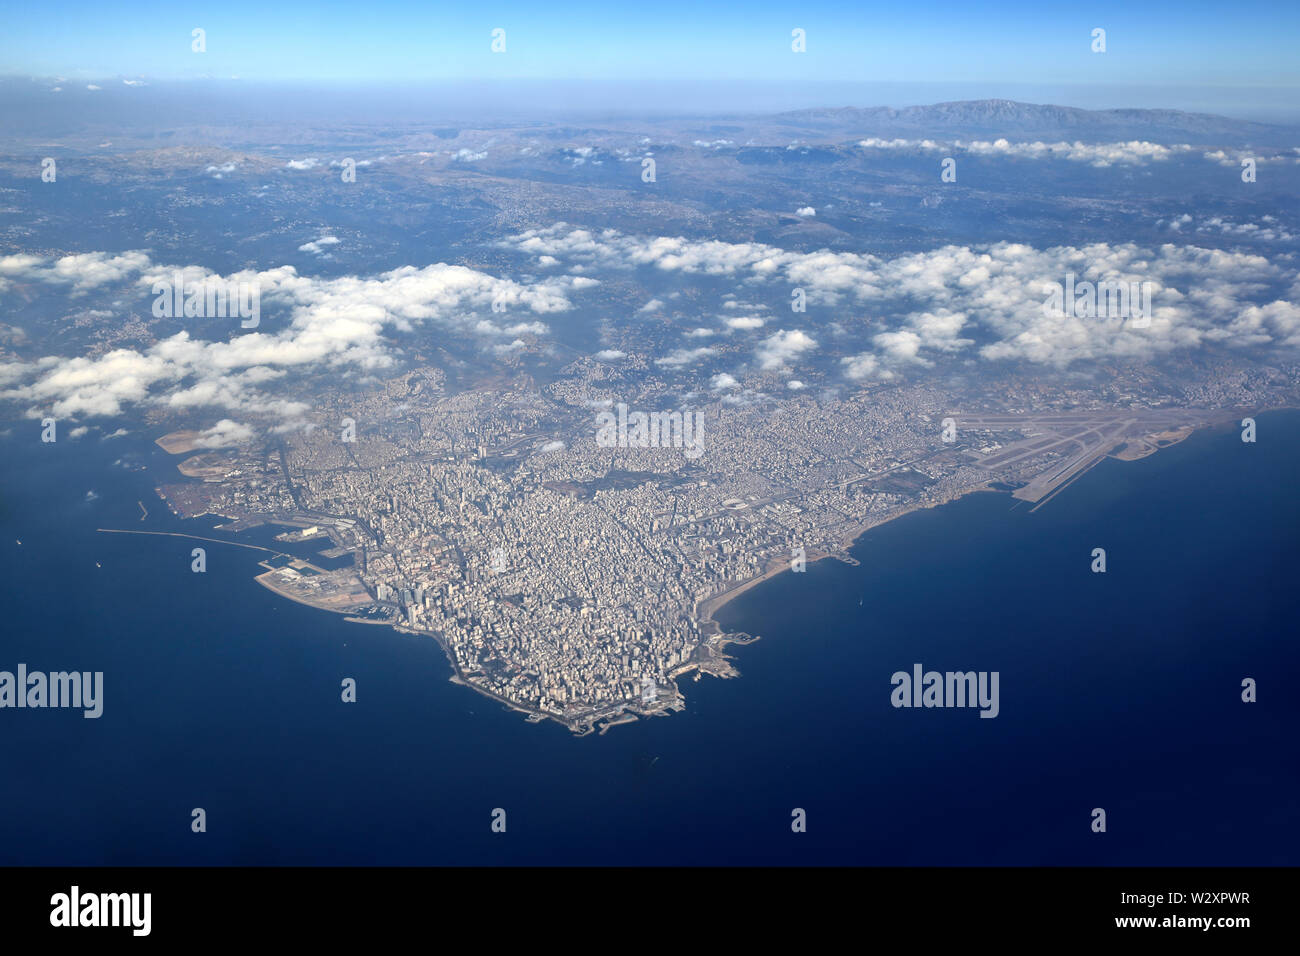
point(710, 655)
point(710, 606)
point(707, 609)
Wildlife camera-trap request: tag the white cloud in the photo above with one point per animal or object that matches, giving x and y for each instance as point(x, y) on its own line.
point(864, 366)
point(876, 143)
point(1267, 229)
point(685, 357)
point(84, 271)
point(783, 347)
point(317, 246)
point(900, 347)
point(1133, 152)
point(1235, 159)
point(224, 434)
point(331, 323)
point(894, 315)
point(987, 299)
point(578, 155)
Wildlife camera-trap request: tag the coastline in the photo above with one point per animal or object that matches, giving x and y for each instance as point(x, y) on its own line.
point(707, 609)
point(710, 655)
point(710, 606)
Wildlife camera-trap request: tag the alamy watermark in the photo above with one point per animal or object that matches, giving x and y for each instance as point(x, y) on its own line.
point(626, 429)
point(76, 908)
point(949, 689)
point(1100, 300)
point(209, 298)
point(57, 689)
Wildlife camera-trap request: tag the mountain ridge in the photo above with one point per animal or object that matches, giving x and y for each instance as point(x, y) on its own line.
point(1014, 119)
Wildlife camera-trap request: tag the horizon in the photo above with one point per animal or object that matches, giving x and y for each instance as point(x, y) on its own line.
point(677, 58)
point(500, 101)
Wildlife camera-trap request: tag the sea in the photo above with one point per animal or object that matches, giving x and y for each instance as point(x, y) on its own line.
point(1119, 691)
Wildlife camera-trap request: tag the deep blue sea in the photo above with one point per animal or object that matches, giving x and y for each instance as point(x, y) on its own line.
point(1119, 690)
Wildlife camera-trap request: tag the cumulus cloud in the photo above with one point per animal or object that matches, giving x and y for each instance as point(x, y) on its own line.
point(939, 330)
point(685, 357)
point(1236, 159)
point(343, 322)
point(864, 366)
point(224, 434)
point(578, 155)
point(723, 381)
point(317, 246)
point(783, 347)
point(805, 211)
point(302, 164)
point(900, 347)
point(986, 300)
point(1134, 152)
point(1268, 229)
point(83, 271)
point(894, 315)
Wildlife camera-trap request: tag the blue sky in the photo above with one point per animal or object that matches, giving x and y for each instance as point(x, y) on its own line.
point(1154, 44)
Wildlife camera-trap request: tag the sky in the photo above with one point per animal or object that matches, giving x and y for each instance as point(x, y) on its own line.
point(1158, 43)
